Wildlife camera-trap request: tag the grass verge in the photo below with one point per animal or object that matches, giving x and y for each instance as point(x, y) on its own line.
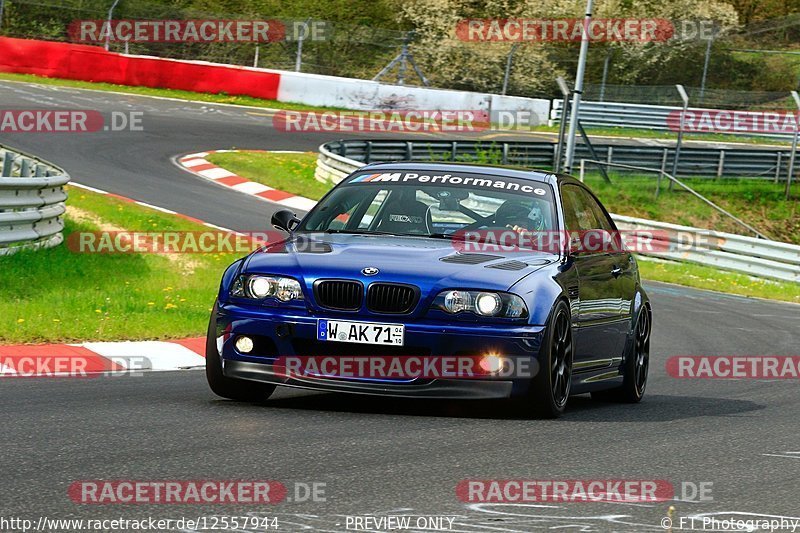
point(610, 131)
point(293, 173)
point(703, 277)
point(629, 195)
point(58, 295)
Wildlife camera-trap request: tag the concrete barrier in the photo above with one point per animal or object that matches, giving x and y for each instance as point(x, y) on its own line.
point(92, 63)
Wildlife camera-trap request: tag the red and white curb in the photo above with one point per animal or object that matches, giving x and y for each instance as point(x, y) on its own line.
point(199, 165)
point(151, 206)
point(52, 360)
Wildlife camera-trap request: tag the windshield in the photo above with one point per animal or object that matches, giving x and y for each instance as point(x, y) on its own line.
point(427, 204)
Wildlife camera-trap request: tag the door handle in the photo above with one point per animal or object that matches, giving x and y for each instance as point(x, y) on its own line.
point(616, 271)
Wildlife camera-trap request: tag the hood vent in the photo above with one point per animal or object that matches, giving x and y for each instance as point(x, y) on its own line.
point(509, 265)
point(536, 262)
point(470, 259)
point(307, 246)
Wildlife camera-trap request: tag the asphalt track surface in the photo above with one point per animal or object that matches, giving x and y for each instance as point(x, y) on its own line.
point(383, 456)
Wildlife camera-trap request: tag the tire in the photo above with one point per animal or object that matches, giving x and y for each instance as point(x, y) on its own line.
point(549, 390)
point(637, 364)
point(234, 389)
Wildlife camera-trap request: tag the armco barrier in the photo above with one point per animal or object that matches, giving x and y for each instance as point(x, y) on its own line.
point(32, 204)
point(642, 116)
point(757, 257)
point(331, 168)
point(749, 162)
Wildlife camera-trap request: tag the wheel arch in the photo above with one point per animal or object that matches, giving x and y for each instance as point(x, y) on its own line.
point(640, 300)
point(227, 278)
point(541, 297)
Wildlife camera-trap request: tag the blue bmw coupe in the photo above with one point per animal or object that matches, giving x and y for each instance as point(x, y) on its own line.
point(432, 262)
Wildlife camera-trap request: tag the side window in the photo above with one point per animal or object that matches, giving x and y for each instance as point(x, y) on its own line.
point(599, 213)
point(578, 212)
point(333, 216)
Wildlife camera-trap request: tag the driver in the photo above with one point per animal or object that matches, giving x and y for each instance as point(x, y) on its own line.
point(520, 216)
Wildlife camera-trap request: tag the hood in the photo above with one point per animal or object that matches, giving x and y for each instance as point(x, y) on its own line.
point(430, 264)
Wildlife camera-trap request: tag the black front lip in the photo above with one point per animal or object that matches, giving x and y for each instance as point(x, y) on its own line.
point(456, 389)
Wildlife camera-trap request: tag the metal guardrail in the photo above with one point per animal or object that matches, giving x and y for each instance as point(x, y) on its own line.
point(344, 166)
point(749, 255)
point(32, 204)
point(642, 116)
point(331, 168)
point(745, 162)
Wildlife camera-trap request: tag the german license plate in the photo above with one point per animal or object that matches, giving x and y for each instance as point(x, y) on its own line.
point(360, 332)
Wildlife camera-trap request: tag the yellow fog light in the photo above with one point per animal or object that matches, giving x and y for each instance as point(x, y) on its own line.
point(244, 344)
point(492, 363)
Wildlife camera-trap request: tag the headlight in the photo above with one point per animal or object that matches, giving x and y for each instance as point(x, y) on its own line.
point(288, 289)
point(257, 287)
point(457, 301)
point(488, 304)
point(483, 303)
point(261, 287)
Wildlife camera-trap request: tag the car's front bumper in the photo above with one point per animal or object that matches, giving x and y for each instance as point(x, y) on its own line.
point(280, 334)
point(430, 388)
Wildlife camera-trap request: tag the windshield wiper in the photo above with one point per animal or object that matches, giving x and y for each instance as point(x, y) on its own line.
point(367, 232)
point(450, 236)
point(457, 236)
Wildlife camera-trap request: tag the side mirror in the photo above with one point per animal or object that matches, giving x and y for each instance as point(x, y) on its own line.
point(285, 220)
